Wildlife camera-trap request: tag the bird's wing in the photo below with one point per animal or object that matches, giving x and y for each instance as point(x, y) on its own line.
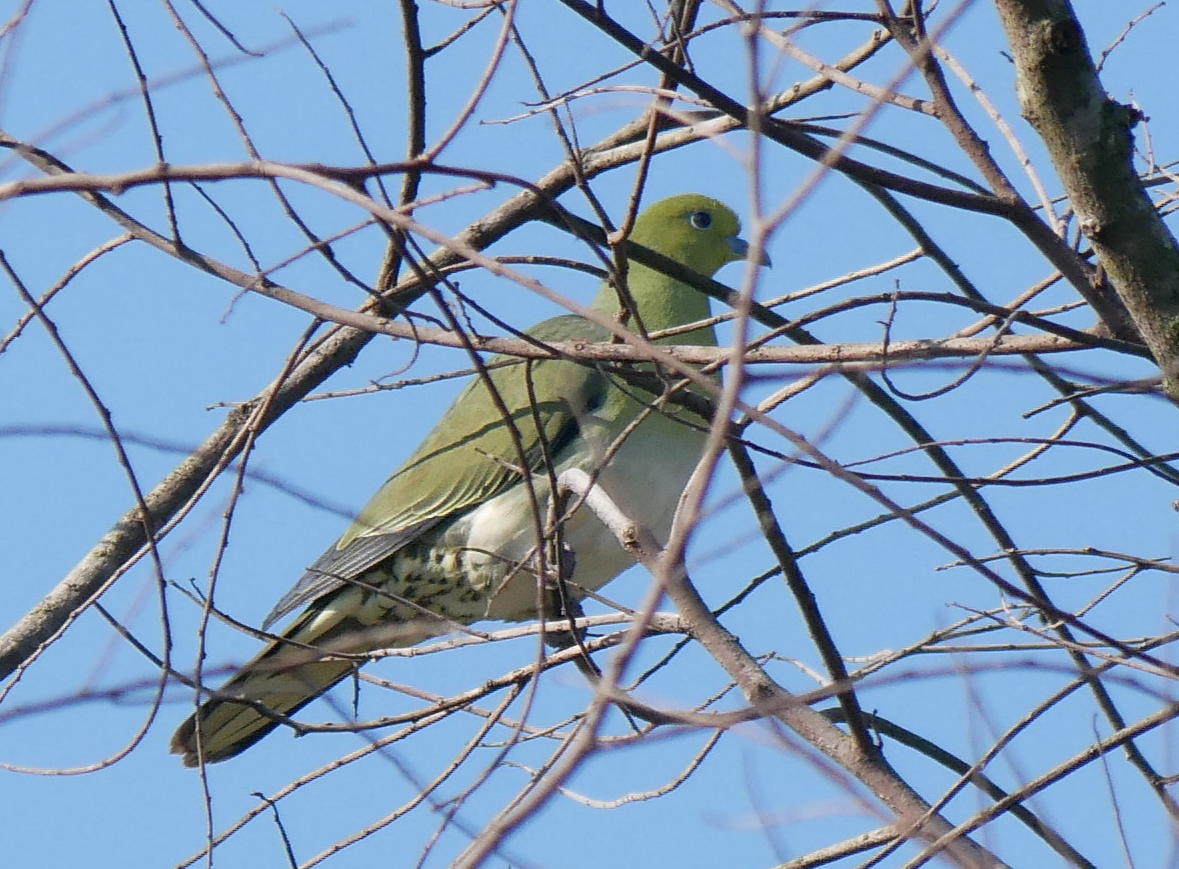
point(470, 456)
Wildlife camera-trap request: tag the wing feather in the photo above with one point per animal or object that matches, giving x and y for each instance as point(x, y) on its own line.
point(469, 457)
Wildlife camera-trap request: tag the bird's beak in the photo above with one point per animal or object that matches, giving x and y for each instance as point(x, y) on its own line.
point(741, 251)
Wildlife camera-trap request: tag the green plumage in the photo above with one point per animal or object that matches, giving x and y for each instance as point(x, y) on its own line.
point(452, 536)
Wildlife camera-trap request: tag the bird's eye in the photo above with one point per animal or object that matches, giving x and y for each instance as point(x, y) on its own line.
point(700, 219)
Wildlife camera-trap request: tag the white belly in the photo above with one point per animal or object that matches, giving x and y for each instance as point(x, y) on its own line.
point(645, 479)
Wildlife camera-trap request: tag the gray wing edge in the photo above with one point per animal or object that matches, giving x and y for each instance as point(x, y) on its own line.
point(334, 568)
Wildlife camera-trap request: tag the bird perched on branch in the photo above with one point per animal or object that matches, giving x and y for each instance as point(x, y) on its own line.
point(452, 537)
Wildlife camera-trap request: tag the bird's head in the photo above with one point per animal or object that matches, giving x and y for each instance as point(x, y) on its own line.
point(695, 230)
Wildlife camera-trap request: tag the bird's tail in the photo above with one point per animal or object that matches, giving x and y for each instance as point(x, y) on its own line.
point(285, 677)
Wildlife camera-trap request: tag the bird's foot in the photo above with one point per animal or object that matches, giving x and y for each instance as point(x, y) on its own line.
point(561, 602)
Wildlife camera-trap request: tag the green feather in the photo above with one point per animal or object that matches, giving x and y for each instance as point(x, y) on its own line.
point(451, 537)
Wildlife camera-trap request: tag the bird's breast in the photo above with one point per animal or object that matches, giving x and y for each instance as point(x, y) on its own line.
point(644, 477)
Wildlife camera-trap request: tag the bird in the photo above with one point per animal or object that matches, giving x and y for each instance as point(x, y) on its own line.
point(451, 538)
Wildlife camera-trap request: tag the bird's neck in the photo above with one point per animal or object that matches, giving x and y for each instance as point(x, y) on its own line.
point(663, 303)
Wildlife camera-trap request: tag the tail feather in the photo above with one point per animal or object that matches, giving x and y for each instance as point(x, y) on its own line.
point(284, 678)
point(228, 728)
point(293, 671)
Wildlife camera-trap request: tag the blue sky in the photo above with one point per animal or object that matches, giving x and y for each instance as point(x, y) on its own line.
point(168, 348)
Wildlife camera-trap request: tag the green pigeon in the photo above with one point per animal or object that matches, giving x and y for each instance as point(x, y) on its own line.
point(451, 538)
